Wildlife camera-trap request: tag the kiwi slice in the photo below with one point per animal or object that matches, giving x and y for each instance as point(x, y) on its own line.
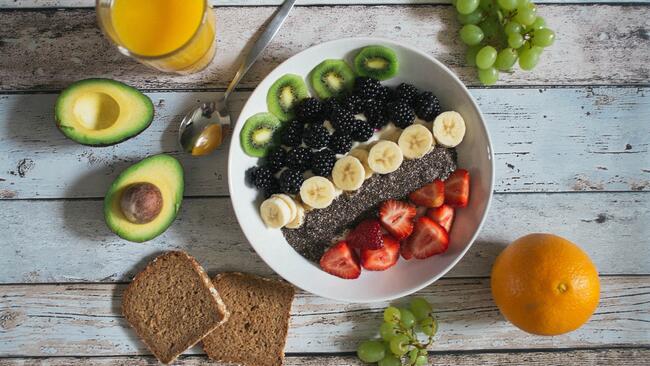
point(378, 62)
point(258, 134)
point(331, 78)
point(285, 94)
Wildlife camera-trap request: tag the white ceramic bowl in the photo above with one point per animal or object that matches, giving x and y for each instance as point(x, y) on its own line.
point(406, 277)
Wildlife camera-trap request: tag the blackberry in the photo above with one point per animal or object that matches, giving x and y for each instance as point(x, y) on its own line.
point(367, 88)
point(299, 158)
point(343, 121)
point(340, 143)
point(249, 175)
point(316, 136)
point(386, 95)
point(276, 159)
point(322, 162)
point(401, 114)
point(290, 181)
point(329, 106)
point(273, 188)
point(292, 134)
point(372, 106)
point(353, 103)
point(427, 106)
point(407, 93)
point(263, 177)
point(363, 131)
point(310, 110)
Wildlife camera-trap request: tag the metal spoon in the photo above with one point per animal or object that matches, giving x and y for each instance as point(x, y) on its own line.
point(201, 131)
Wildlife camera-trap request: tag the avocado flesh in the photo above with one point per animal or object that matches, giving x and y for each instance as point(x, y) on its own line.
point(163, 171)
point(102, 112)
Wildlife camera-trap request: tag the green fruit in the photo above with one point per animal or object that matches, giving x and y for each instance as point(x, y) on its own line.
point(407, 318)
point(413, 355)
point(420, 307)
point(529, 57)
point(331, 78)
point(155, 192)
point(485, 57)
point(472, 18)
point(371, 351)
point(505, 59)
point(392, 315)
point(429, 326)
point(258, 135)
point(284, 95)
point(102, 112)
point(543, 37)
point(399, 345)
point(466, 6)
point(378, 62)
point(421, 361)
point(389, 360)
point(388, 330)
point(488, 76)
point(471, 34)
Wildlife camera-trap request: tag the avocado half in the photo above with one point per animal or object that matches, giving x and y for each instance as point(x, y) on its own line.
point(163, 171)
point(102, 112)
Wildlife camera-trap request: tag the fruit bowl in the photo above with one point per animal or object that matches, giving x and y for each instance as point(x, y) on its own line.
point(406, 277)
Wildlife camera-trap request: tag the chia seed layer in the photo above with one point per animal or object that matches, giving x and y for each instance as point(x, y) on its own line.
point(324, 226)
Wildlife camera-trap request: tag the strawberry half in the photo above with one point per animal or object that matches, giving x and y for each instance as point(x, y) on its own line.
point(341, 261)
point(431, 195)
point(367, 235)
point(457, 188)
point(406, 251)
point(397, 218)
point(428, 238)
point(381, 259)
point(443, 215)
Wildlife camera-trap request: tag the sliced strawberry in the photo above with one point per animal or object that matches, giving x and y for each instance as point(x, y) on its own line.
point(443, 215)
point(381, 259)
point(405, 250)
point(397, 218)
point(367, 235)
point(428, 238)
point(431, 195)
point(457, 188)
point(341, 261)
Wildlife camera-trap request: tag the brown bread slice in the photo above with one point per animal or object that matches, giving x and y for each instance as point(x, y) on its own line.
point(172, 304)
point(256, 332)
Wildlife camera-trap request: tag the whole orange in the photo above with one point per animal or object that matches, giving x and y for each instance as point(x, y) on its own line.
point(545, 284)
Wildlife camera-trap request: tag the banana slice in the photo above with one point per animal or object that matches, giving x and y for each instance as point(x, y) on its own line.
point(415, 141)
point(299, 219)
point(385, 157)
point(362, 155)
point(275, 212)
point(348, 173)
point(449, 129)
point(317, 192)
point(290, 202)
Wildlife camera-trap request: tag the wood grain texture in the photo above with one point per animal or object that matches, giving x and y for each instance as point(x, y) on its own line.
point(67, 241)
point(48, 49)
point(591, 357)
point(534, 133)
point(84, 320)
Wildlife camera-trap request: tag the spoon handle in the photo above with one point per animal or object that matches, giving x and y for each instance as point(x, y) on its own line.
point(260, 44)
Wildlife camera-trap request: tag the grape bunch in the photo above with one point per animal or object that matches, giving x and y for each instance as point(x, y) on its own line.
point(500, 32)
point(399, 341)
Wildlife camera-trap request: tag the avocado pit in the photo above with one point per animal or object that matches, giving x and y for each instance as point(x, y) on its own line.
point(141, 202)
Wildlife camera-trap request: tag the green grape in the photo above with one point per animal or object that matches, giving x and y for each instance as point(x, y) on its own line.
point(413, 355)
point(490, 27)
point(485, 57)
point(505, 59)
point(429, 325)
point(529, 57)
point(421, 361)
point(371, 351)
point(486, 4)
point(512, 27)
point(471, 18)
point(420, 307)
point(471, 34)
point(388, 331)
point(399, 345)
point(408, 319)
point(543, 37)
point(526, 14)
point(423, 352)
point(470, 55)
point(507, 4)
point(515, 40)
point(522, 2)
point(466, 6)
point(391, 315)
point(390, 360)
point(539, 23)
point(488, 76)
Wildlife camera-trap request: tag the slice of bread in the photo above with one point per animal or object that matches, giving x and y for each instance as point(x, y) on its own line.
point(256, 332)
point(172, 304)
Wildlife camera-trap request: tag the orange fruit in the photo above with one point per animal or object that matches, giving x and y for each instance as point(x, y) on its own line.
point(545, 284)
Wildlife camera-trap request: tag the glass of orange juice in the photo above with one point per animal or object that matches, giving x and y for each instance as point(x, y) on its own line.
point(169, 35)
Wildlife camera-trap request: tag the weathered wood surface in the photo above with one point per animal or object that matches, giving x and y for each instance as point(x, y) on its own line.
point(85, 320)
point(67, 241)
point(48, 49)
point(535, 133)
point(610, 356)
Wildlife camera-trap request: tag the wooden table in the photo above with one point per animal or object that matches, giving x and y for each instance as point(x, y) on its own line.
point(571, 141)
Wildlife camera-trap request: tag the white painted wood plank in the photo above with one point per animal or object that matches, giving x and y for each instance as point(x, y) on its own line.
point(608, 356)
point(553, 140)
point(67, 241)
point(85, 320)
point(48, 49)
